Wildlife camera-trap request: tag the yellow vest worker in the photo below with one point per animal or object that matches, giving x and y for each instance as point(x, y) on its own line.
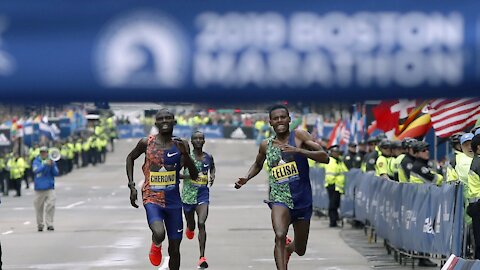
point(421, 173)
point(473, 209)
point(334, 182)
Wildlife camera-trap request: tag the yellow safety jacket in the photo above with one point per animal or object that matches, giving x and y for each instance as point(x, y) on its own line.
point(421, 174)
point(474, 179)
point(451, 172)
point(381, 165)
point(335, 174)
point(17, 168)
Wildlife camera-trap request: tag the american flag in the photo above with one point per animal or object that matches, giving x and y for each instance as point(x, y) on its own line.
point(450, 116)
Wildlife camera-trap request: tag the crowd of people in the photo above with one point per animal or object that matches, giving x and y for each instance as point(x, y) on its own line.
point(408, 161)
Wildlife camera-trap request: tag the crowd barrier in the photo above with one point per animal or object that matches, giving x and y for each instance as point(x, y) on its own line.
point(210, 131)
point(412, 217)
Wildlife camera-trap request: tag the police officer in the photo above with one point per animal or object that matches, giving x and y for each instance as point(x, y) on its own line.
point(406, 164)
point(397, 151)
point(421, 173)
point(349, 158)
point(362, 151)
point(473, 208)
point(382, 162)
point(334, 182)
point(371, 158)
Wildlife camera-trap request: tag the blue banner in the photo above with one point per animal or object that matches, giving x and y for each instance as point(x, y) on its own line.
point(219, 50)
point(413, 217)
point(130, 131)
point(65, 127)
point(319, 192)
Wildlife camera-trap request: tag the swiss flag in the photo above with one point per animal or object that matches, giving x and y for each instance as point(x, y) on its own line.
point(388, 113)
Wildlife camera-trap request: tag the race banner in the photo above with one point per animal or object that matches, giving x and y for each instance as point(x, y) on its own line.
point(218, 51)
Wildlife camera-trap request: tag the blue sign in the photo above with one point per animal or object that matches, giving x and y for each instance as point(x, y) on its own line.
point(236, 51)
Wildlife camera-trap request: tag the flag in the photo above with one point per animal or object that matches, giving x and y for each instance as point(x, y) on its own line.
point(450, 116)
point(336, 134)
point(318, 128)
point(389, 113)
point(416, 124)
point(386, 119)
point(357, 124)
point(345, 132)
point(403, 118)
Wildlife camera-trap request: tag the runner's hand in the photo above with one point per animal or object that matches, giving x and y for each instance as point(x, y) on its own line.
point(182, 145)
point(212, 179)
point(241, 181)
point(133, 197)
point(289, 149)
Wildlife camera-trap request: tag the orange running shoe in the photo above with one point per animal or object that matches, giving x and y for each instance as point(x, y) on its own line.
point(202, 263)
point(189, 234)
point(155, 255)
point(288, 240)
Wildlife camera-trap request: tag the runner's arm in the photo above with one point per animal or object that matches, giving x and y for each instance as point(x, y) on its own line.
point(212, 171)
point(309, 147)
point(134, 154)
point(256, 166)
point(187, 160)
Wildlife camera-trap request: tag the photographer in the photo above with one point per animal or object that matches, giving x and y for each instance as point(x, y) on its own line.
point(45, 170)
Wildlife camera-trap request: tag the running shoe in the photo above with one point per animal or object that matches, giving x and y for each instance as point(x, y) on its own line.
point(155, 255)
point(288, 240)
point(189, 234)
point(202, 263)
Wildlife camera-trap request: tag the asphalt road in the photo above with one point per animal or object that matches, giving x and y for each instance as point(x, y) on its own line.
point(96, 228)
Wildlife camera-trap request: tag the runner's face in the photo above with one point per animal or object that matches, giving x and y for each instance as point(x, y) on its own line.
point(280, 121)
point(198, 140)
point(165, 122)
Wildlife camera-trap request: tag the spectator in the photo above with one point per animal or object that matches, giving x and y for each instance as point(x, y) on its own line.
point(45, 171)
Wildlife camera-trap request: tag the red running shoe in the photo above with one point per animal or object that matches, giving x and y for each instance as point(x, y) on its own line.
point(155, 254)
point(288, 240)
point(189, 234)
point(202, 263)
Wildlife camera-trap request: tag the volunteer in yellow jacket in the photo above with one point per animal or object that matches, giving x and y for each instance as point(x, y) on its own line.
point(473, 209)
point(334, 182)
point(452, 163)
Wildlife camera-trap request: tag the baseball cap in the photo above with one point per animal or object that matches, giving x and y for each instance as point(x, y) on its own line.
point(466, 137)
point(43, 149)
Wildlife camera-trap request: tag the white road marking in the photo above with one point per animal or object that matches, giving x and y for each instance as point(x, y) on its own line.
point(26, 223)
point(164, 263)
point(7, 232)
point(292, 259)
point(72, 205)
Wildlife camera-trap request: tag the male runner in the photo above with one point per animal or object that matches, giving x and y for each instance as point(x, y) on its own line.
point(195, 194)
point(290, 196)
point(164, 157)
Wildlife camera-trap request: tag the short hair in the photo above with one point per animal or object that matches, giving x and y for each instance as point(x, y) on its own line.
point(197, 132)
point(475, 143)
point(163, 111)
point(276, 107)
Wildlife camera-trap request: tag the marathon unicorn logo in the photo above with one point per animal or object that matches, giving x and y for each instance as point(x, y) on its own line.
point(143, 49)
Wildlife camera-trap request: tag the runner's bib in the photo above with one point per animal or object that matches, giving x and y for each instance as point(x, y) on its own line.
point(285, 173)
point(202, 180)
point(163, 180)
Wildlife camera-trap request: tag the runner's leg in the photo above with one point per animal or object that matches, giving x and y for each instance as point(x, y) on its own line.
point(280, 222)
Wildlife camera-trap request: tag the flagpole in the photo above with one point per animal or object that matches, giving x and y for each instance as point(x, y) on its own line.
point(435, 148)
